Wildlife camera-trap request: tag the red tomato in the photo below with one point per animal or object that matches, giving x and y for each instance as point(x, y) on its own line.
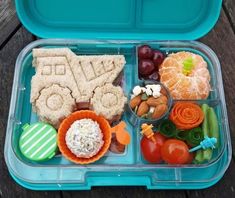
point(152, 150)
point(191, 158)
point(175, 152)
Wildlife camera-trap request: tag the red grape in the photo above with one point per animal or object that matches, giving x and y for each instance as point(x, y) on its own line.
point(158, 58)
point(154, 76)
point(145, 52)
point(146, 67)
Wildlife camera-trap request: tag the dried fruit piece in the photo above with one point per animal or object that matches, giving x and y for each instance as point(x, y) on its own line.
point(135, 101)
point(143, 108)
point(159, 111)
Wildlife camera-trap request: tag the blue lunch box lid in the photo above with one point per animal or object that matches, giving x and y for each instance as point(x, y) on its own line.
point(122, 19)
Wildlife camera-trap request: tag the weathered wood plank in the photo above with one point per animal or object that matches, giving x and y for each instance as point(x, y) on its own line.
point(123, 192)
point(229, 6)
point(8, 55)
point(222, 40)
point(8, 19)
point(224, 188)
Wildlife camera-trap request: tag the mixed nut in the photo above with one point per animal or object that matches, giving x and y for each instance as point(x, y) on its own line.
point(149, 102)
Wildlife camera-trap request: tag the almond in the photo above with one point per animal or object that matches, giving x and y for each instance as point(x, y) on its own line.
point(152, 101)
point(143, 108)
point(159, 111)
point(163, 92)
point(156, 101)
point(135, 101)
point(163, 99)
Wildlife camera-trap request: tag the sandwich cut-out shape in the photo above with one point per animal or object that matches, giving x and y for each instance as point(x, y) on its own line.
point(60, 69)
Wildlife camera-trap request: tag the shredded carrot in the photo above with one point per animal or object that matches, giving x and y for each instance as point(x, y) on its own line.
point(186, 115)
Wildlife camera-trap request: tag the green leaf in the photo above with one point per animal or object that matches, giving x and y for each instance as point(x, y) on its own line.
point(167, 128)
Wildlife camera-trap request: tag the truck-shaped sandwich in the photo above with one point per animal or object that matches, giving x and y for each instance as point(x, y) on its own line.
point(64, 79)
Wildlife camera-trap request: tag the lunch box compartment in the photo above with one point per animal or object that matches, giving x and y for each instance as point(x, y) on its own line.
point(216, 152)
point(174, 47)
point(24, 113)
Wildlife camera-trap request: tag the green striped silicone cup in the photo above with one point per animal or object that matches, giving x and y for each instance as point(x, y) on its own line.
point(38, 141)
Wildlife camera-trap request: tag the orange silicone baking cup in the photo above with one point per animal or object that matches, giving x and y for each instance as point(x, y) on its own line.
point(65, 125)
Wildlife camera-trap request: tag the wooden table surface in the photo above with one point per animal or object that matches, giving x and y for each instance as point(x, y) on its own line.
point(13, 37)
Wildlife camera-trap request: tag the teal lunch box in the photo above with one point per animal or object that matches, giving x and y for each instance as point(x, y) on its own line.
point(115, 27)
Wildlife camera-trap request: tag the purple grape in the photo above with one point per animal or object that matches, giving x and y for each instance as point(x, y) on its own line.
point(145, 52)
point(146, 67)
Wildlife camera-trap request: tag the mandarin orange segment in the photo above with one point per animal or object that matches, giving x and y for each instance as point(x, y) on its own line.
point(172, 82)
point(170, 62)
point(169, 69)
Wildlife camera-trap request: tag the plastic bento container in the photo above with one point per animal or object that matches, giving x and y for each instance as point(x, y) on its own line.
point(129, 20)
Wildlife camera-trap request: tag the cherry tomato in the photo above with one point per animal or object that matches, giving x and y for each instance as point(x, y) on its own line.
point(175, 152)
point(191, 158)
point(151, 150)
